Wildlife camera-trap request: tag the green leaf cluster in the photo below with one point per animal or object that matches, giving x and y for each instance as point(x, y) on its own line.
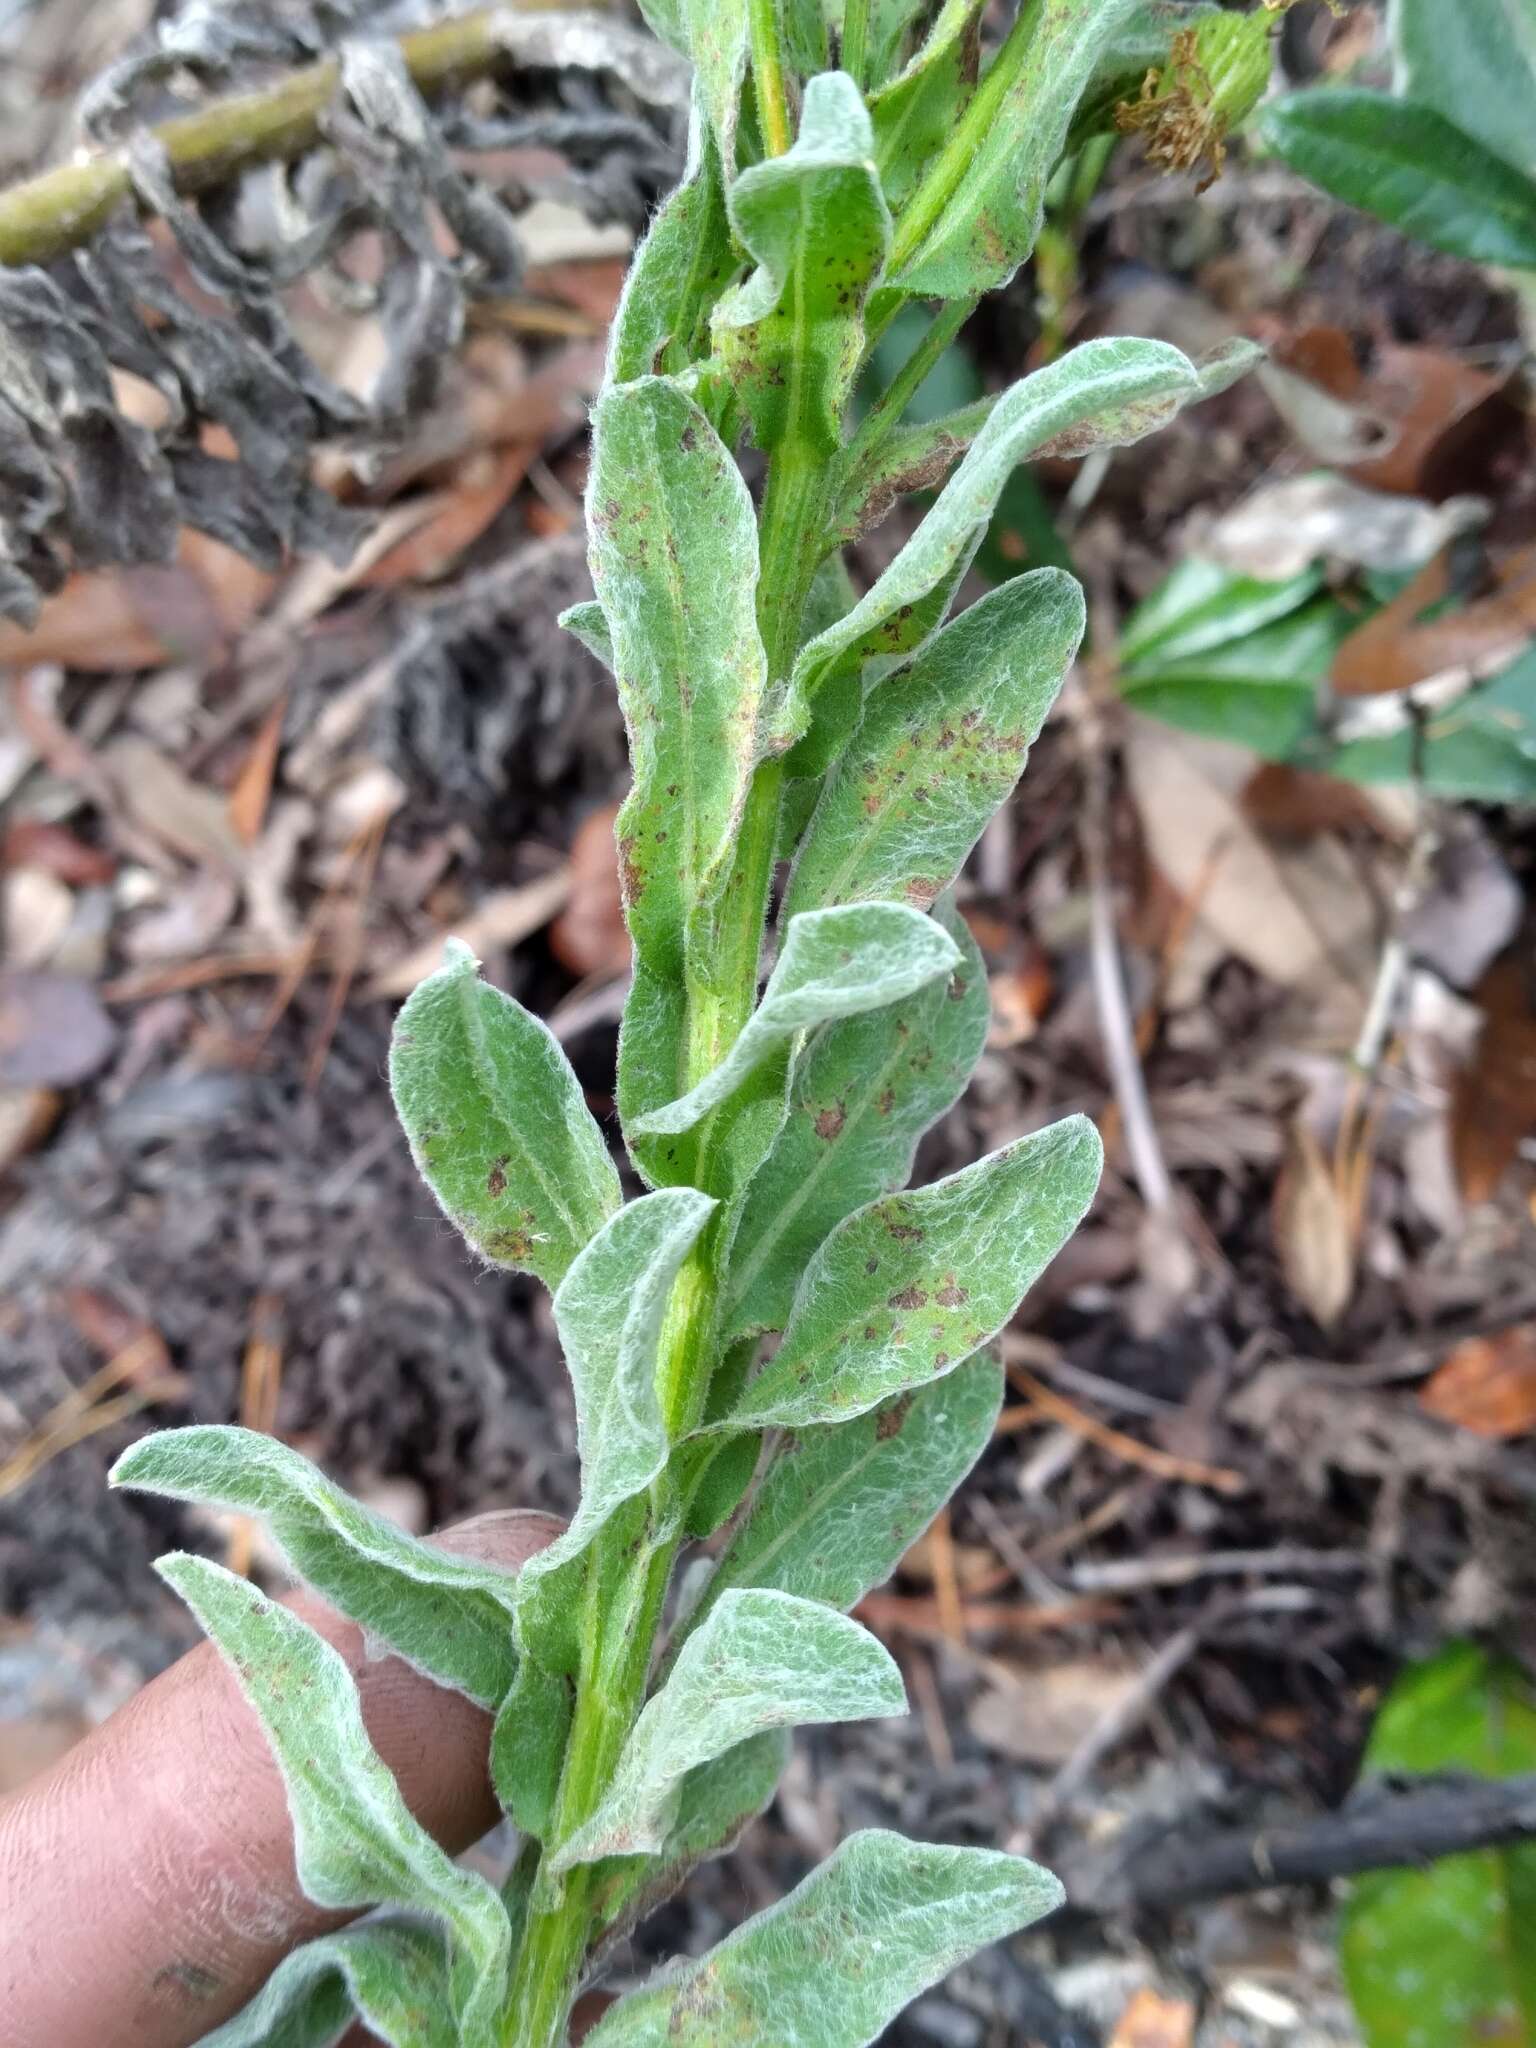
point(1450, 159)
point(775, 1336)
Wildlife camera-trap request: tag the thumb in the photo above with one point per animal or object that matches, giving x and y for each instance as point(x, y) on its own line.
point(147, 1882)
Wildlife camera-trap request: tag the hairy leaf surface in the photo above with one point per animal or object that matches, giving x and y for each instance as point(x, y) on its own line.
point(915, 113)
point(761, 1660)
point(497, 1122)
point(1411, 168)
point(906, 1912)
point(987, 224)
point(446, 1615)
point(609, 1311)
point(816, 224)
point(864, 1092)
point(393, 1975)
point(835, 963)
point(1113, 391)
point(674, 560)
point(357, 1843)
point(907, 1288)
point(942, 744)
point(679, 269)
point(841, 1504)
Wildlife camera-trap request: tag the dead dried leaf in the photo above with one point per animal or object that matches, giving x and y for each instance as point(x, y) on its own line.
point(1152, 2021)
point(53, 1031)
point(1040, 1718)
point(193, 915)
point(1493, 1105)
point(39, 843)
point(504, 918)
point(252, 792)
point(1487, 1384)
point(35, 912)
point(27, 1115)
point(1294, 803)
point(1399, 649)
point(452, 519)
point(123, 1337)
point(1449, 421)
point(1312, 1229)
point(191, 819)
point(1282, 528)
point(589, 936)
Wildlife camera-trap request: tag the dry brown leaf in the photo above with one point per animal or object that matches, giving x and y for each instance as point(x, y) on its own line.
point(590, 936)
point(27, 1115)
point(122, 1337)
point(1293, 803)
point(592, 285)
point(252, 792)
point(504, 918)
point(1152, 2021)
point(190, 818)
point(453, 518)
point(1493, 1104)
point(1040, 1718)
point(1393, 650)
point(1487, 1384)
point(1312, 1230)
point(39, 843)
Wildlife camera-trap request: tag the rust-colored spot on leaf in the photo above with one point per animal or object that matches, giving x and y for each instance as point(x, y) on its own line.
point(910, 1297)
point(830, 1122)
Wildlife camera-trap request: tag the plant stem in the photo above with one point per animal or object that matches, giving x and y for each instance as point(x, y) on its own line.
point(768, 74)
point(49, 215)
point(854, 52)
point(924, 209)
point(888, 408)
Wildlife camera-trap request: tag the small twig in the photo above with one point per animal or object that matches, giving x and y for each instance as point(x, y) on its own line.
point(48, 215)
point(1190, 1471)
point(1388, 1825)
point(1136, 1574)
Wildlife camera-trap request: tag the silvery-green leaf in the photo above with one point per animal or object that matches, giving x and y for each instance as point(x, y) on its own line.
point(841, 1504)
point(391, 1974)
point(908, 458)
point(1112, 392)
point(588, 623)
point(498, 1126)
point(835, 963)
point(448, 1616)
point(1476, 66)
point(815, 221)
point(674, 559)
point(760, 1660)
point(356, 1842)
point(987, 223)
point(864, 1092)
point(716, 1803)
point(942, 744)
point(653, 1069)
point(834, 1963)
point(714, 35)
point(528, 1746)
point(907, 1288)
point(609, 1311)
point(915, 114)
point(679, 270)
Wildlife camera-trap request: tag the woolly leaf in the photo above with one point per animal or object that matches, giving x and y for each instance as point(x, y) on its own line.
point(942, 744)
point(760, 1660)
point(907, 1288)
point(835, 963)
point(814, 219)
point(977, 234)
point(588, 623)
point(355, 1840)
point(448, 1616)
point(609, 1311)
point(831, 1965)
point(528, 1746)
point(681, 267)
point(864, 1092)
point(915, 114)
point(497, 1123)
point(1105, 392)
point(391, 1974)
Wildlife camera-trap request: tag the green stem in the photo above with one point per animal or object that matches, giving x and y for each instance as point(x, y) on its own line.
point(889, 407)
point(854, 53)
point(925, 208)
point(49, 215)
point(768, 74)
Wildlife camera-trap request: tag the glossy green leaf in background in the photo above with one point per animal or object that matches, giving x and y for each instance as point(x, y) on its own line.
point(905, 1913)
point(760, 1660)
point(842, 1504)
point(909, 1287)
point(391, 1974)
point(356, 1842)
point(864, 1092)
point(1446, 1957)
point(497, 1123)
point(448, 1616)
point(942, 743)
point(815, 221)
point(1410, 167)
point(1476, 65)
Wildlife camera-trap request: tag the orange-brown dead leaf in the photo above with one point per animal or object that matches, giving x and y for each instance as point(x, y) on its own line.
point(1487, 1384)
point(589, 936)
point(1294, 803)
point(1493, 1104)
point(454, 518)
point(1152, 2021)
point(1312, 1229)
point(40, 843)
point(253, 785)
point(1397, 649)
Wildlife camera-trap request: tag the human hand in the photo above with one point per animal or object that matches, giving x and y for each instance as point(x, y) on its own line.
point(147, 1881)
